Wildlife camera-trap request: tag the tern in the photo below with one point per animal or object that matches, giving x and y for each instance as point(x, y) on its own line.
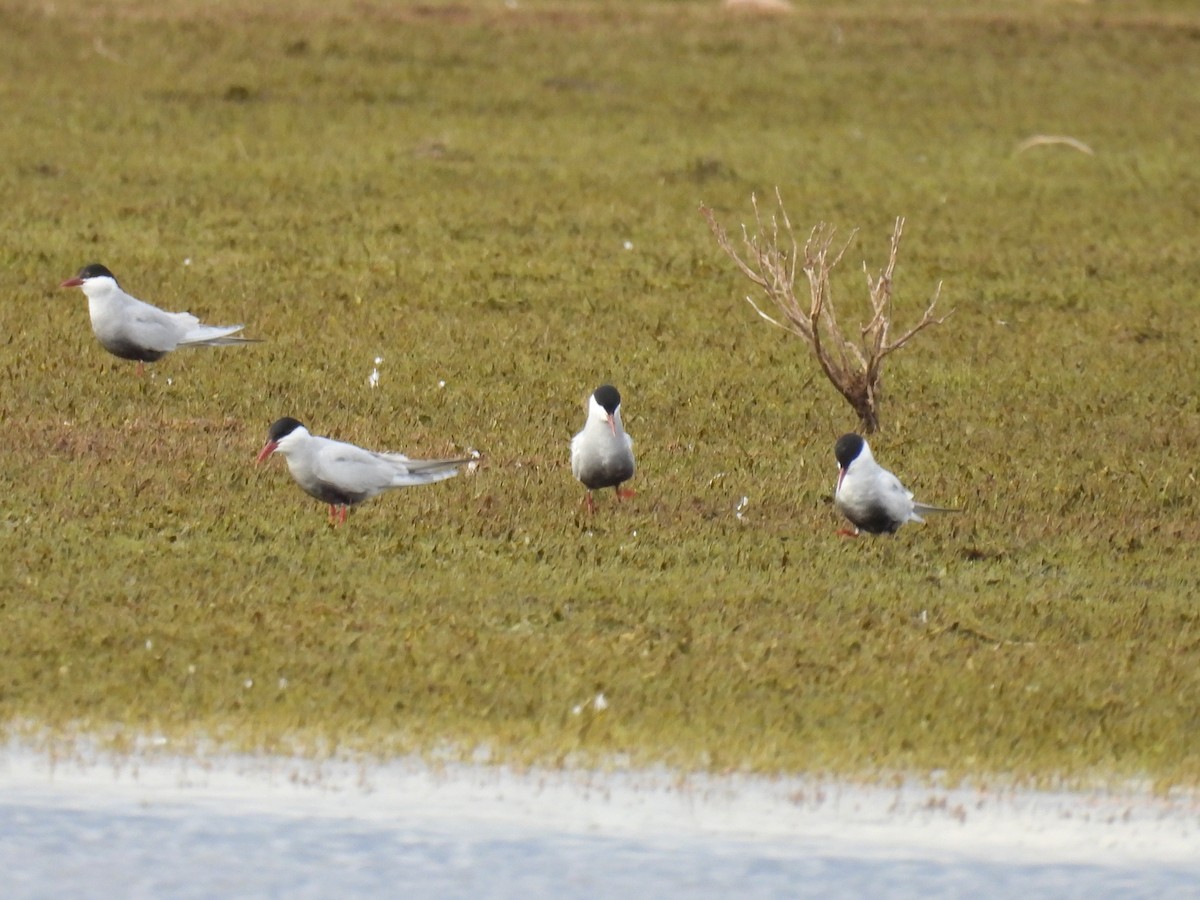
point(132, 329)
point(342, 474)
point(602, 453)
point(870, 496)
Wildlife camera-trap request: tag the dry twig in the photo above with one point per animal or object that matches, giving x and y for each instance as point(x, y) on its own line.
point(1042, 140)
point(855, 368)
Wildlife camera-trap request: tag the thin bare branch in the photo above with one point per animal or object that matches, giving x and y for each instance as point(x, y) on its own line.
point(772, 259)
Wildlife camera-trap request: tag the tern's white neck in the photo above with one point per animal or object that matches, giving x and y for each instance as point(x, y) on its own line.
point(598, 418)
point(865, 459)
point(106, 304)
point(101, 288)
point(293, 441)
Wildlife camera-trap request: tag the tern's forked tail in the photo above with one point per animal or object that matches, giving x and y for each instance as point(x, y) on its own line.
point(922, 508)
point(215, 336)
point(423, 471)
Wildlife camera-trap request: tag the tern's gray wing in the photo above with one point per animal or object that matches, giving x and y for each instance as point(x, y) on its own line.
point(352, 470)
point(130, 323)
point(892, 486)
point(897, 499)
point(157, 330)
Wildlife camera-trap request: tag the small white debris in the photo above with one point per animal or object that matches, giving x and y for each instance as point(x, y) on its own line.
point(628, 245)
point(599, 703)
point(474, 463)
point(170, 381)
point(187, 260)
point(283, 683)
point(715, 478)
point(741, 507)
point(248, 683)
point(378, 360)
point(442, 384)
point(149, 644)
point(191, 669)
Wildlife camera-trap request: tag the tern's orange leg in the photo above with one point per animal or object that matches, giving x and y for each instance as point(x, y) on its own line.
point(846, 532)
point(624, 493)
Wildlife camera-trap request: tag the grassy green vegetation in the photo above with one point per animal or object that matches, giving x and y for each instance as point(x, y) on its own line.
point(505, 200)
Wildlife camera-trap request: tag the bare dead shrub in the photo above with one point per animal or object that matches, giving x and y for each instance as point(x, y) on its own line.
point(855, 368)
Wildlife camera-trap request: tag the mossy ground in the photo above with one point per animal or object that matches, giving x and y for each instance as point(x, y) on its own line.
point(505, 200)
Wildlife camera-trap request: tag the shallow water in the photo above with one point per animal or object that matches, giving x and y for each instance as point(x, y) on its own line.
point(200, 853)
point(228, 828)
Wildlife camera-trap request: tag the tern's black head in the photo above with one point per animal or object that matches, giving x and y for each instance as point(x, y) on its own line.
point(847, 448)
point(281, 428)
point(95, 270)
point(608, 397)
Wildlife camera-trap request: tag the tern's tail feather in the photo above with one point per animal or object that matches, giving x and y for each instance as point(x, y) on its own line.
point(214, 336)
point(423, 471)
point(923, 508)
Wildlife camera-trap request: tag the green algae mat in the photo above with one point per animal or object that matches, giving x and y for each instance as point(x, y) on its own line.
point(448, 223)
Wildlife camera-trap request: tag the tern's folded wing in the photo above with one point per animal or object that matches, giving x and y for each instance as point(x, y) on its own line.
point(153, 329)
point(351, 469)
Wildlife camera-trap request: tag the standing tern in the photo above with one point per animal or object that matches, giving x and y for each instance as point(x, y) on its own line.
point(131, 329)
point(602, 453)
point(342, 474)
point(870, 496)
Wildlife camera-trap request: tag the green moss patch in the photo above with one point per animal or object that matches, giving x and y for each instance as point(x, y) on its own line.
point(502, 205)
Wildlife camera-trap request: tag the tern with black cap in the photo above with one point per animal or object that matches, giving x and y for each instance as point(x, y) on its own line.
point(342, 474)
point(602, 453)
point(870, 496)
point(133, 329)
